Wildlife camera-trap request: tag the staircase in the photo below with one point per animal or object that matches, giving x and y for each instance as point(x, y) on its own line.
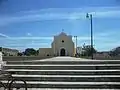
point(66, 73)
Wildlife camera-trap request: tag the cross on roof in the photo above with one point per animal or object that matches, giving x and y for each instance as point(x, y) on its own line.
point(62, 30)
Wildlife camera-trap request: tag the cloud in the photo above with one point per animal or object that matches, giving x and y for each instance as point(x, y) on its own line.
point(88, 38)
point(30, 38)
point(22, 43)
point(27, 44)
point(3, 36)
point(106, 14)
point(29, 34)
point(37, 42)
point(104, 34)
point(81, 38)
point(108, 33)
point(34, 41)
point(48, 38)
point(69, 10)
point(60, 14)
point(105, 46)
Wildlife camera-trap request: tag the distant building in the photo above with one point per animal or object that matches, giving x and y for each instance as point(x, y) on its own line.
point(102, 54)
point(9, 52)
point(62, 45)
point(79, 50)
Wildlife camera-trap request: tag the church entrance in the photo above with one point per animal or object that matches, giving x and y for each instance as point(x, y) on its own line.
point(62, 52)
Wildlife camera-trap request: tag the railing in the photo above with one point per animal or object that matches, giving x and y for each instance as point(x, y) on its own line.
point(10, 81)
point(10, 84)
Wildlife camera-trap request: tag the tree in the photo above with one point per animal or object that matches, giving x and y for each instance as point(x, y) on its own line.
point(37, 52)
point(30, 51)
point(115, 52)
point(87, 50)
point(19, 54)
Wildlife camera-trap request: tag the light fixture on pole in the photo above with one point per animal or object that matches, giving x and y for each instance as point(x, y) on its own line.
point(89, 16)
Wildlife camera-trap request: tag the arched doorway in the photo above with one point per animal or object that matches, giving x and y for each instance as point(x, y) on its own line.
point(62, 52)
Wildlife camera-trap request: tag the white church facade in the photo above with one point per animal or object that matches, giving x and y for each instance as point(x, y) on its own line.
point(62, 45)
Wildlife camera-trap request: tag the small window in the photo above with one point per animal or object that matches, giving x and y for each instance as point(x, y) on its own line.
point(62, 41)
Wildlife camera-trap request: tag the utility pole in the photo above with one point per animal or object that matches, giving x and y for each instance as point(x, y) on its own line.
point(76, 44)
point(91, 32)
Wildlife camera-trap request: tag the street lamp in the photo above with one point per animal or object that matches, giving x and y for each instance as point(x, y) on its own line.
point(89, 16)
point(54, 47)
point(76, 44)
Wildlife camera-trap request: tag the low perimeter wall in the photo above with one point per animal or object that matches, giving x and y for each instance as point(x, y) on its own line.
point(104, 58)
point(18, 58)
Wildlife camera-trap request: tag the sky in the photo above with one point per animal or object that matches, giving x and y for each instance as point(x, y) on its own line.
point(33, 23)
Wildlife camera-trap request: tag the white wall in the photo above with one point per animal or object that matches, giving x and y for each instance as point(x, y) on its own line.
point(79, 50)
point(45, 51)
point(57, 45)
point(68, 44)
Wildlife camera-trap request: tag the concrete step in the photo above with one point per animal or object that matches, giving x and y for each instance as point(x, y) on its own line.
point(61, 89)
point(65, 62)
point(43, 67)
point(36, 84)
point(68, 78)
point(65, 67)
point(25, 58)
point(65, 72)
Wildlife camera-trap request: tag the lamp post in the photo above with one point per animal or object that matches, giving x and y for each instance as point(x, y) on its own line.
point(76, 44)
point(89, 16)
point(54, 48)
point(54, 41)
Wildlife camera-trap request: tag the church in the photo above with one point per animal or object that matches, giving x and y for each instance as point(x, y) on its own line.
point(62, 45)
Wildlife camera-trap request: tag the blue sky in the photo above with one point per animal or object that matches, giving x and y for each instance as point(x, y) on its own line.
point(33, 23)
